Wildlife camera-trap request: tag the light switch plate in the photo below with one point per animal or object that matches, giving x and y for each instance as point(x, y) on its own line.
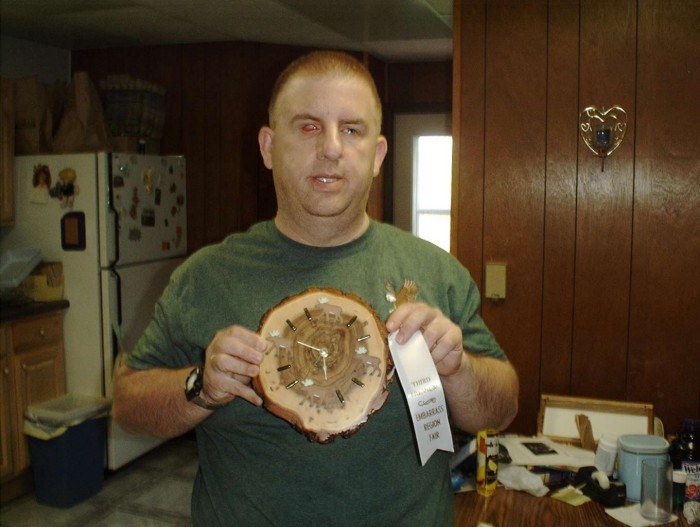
point(495, 288)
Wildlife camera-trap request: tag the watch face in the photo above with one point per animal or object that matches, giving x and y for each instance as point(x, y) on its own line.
point(325, 367)
point(193, 383)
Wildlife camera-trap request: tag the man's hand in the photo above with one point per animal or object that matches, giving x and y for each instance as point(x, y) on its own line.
point(232, 360)
point(482, 392)
point(443, 337)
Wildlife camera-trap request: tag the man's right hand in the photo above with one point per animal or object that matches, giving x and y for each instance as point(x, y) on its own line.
point(232, 359)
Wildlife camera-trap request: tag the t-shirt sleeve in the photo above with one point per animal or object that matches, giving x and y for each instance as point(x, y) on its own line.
point(163, 344)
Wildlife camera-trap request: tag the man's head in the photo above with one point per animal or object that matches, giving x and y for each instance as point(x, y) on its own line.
point(323, 63)
point(324, 147)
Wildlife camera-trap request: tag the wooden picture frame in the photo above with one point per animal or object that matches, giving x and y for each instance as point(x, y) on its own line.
point(557, 417)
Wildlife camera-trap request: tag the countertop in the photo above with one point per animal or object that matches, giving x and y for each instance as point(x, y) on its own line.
point(13, 311)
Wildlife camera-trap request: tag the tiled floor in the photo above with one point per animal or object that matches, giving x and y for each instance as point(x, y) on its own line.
point(154, 491)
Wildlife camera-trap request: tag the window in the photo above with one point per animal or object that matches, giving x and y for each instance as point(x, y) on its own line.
point(423, 176)
point(433, 188)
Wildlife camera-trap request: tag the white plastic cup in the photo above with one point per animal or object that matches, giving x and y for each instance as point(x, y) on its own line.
point(657, 490)
point(606, 454)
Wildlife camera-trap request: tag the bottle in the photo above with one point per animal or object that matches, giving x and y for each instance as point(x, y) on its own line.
point(487, 448)
point(679, 479)
point(685, 456)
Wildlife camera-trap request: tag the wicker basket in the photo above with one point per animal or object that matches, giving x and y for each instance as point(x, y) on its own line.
point(133, 107)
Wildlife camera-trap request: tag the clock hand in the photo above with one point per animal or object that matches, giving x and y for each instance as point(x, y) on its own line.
point(308, 346)
point(324, 354)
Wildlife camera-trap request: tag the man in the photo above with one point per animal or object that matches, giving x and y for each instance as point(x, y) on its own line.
point(324, 147)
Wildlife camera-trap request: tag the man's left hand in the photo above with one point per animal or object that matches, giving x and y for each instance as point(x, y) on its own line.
point(443, 337)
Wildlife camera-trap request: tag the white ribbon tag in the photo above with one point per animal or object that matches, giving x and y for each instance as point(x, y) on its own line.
point(426, 399)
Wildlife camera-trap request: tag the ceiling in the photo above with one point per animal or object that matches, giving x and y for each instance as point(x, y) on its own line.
point(392, 30)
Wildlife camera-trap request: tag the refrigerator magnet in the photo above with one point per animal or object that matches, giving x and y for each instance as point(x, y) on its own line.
point(73, 231)
point(147, 180)
point(66, 187)
point(123, 169)
point(41, 183)
point(148, 218)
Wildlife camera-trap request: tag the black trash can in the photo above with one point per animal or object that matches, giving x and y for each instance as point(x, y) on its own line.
point(67, 438)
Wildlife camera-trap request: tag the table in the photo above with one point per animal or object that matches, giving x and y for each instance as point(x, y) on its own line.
point(510, 508)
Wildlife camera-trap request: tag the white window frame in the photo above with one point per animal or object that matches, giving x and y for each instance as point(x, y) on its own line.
point(407, 128)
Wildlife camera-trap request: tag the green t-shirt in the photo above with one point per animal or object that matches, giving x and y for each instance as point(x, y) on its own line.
point(255, 469)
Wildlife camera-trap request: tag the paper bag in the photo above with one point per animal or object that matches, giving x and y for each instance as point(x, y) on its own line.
point(56, 94)
point(33, 117)
point(83, 127)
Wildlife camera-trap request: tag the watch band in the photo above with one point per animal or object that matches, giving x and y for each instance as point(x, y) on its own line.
point(203, 404)
point(193, 387)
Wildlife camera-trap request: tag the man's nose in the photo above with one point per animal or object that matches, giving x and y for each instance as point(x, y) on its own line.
point(330, 145)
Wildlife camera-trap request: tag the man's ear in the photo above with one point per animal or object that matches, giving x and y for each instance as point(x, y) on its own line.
point(265, 136)
point(380, 153)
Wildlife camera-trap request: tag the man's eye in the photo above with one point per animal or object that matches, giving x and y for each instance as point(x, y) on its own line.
point(309, 128)
point(351, 131)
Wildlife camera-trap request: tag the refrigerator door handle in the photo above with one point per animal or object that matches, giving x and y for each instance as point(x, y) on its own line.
point(112, 249)
point(111, 325)
point(109, 222)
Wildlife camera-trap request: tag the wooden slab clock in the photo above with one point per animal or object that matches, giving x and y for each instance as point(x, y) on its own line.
point(325, 368)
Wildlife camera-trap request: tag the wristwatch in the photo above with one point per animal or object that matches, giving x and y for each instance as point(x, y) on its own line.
point(193, 387)
point(325, 367)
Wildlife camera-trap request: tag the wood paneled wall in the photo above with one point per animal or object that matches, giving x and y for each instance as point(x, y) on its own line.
point(217, 95)
point(216, 100)
point(603, 295)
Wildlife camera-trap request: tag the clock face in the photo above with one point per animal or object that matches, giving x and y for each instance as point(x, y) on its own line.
point(325, 367)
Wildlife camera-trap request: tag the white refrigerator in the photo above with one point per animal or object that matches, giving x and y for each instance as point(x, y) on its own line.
point(118, 224)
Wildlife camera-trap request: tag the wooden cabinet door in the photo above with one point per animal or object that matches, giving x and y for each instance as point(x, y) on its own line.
point(38, 378)
point(6, 410)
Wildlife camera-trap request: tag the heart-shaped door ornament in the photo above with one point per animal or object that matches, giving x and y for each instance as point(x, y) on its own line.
point(603, 131)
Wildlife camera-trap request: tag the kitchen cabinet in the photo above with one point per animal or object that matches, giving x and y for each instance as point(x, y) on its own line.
point(7, 153)
point(6, 411)
point(32, 361)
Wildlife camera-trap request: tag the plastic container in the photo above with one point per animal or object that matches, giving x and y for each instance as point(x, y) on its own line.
point(67, 448)
point(16, 264)
point(635, 448)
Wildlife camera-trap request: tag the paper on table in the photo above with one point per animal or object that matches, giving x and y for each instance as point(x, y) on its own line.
point(633, 517)
point(541, 451)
